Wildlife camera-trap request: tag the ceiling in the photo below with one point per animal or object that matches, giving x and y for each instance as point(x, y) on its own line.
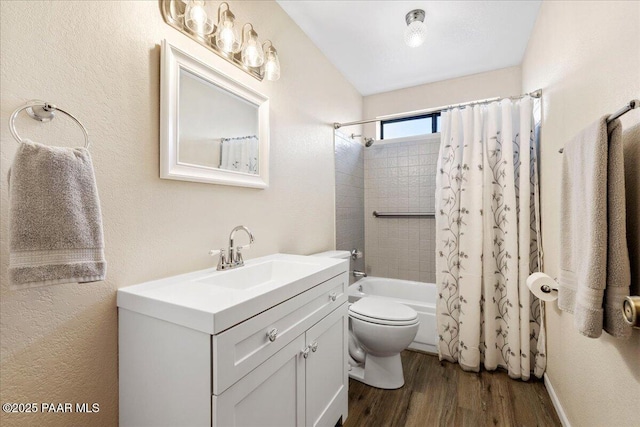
point(364, 39)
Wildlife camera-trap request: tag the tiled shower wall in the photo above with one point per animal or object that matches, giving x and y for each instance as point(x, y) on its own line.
point(400, 177)
point(350, 196)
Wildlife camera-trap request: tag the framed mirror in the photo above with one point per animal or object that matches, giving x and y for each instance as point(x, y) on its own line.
point(213, 129)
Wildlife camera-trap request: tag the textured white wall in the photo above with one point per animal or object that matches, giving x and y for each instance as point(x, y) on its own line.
point(585, 55)
point(100, 60)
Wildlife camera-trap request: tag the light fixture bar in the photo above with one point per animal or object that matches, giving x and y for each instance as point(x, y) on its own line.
point(173, 14)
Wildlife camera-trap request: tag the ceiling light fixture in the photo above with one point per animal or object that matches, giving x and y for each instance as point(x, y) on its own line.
point(190, 17)
point(416, 31)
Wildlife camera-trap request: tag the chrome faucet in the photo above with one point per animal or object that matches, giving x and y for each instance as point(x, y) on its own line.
point(235, 252)
point(358, 273)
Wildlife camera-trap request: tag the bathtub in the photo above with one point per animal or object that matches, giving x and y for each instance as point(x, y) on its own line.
point(417, 295)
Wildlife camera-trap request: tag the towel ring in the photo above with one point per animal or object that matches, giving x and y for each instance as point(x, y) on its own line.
point(43, 112)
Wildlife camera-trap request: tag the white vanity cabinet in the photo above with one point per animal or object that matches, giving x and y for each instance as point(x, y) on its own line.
point(291, 389)
point(285, 365)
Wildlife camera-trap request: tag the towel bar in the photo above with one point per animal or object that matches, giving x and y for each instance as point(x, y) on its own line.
point(631, 310)
point(43, 112)
point(634, 103)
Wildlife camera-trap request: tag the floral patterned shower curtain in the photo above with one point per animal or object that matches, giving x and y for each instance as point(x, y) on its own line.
point(240, 154)
point(487, 234)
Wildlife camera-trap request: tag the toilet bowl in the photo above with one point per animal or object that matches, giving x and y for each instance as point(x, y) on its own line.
point(378, 331)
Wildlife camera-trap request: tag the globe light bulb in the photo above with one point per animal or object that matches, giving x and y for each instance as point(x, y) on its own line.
point(272, 65)
point(198, 15)
point(227, 38)
point(196, 19)
point(252, 53)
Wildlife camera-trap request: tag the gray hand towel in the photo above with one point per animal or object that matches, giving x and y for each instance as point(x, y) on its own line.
point(618, 269)
point(583, 228)
point(631, 137)
point(55, 220)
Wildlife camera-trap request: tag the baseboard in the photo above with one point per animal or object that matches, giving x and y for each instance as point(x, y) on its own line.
point(556, 403)
point(423, 348)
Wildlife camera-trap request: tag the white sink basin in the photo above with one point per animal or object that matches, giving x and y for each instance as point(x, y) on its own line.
point(261, 274)
point(212, 301)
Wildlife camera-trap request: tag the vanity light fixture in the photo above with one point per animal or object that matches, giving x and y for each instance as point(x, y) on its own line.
point(196, 18)
point(416, 31)
point(252, 53)
point(271, 62)
point(227, 38)
point(245, 51)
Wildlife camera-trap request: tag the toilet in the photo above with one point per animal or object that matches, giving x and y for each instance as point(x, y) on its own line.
point(378, 331)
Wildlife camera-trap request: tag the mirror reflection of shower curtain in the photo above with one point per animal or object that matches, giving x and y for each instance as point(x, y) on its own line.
point(487, 239)
point(239, 154)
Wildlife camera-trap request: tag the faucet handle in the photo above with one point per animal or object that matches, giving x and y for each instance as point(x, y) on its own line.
point(239, 259)
point(223, 257)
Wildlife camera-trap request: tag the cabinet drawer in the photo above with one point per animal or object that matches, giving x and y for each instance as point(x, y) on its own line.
point(242, 348)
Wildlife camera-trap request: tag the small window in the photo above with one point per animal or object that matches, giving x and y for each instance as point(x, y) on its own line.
point(410, 126)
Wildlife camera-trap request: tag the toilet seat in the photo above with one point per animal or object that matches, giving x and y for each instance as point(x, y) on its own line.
point(384, 322)
point(379, 311)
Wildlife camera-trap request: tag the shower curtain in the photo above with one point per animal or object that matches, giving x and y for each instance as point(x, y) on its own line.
point(487, 234)
point(239, 154)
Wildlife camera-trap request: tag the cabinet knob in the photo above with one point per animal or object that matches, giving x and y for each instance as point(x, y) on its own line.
point(333, 296)
point(272, 334)
point(305, 352)
point(314, 346)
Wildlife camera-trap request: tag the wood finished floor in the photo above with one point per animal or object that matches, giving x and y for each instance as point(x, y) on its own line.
point(441, 394)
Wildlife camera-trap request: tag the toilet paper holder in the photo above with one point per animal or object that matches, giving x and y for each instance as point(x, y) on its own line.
point(548, 289)
point(543, 286)
point(630, 305)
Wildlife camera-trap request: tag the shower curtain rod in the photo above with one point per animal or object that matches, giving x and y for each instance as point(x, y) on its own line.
point(534, 94)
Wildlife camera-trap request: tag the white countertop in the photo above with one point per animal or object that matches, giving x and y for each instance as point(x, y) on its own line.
point(209, 301)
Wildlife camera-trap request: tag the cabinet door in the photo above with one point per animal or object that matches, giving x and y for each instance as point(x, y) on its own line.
point(271, 395)
point(326, 370)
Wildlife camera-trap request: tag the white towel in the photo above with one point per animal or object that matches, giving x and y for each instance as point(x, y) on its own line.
point(595, 272)
point(583, 228)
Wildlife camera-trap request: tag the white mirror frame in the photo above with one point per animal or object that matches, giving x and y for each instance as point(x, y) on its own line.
point(172, 61)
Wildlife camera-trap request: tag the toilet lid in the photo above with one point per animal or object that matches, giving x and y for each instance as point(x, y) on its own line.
point(385, 322)
point(382, 309)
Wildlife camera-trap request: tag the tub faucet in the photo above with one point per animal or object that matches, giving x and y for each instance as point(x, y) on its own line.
point(235, 252)
point(358, 273)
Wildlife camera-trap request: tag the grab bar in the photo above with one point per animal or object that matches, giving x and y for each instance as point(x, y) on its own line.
point(404, 214)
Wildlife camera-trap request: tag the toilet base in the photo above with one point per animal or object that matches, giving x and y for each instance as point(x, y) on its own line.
point(380, 372)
